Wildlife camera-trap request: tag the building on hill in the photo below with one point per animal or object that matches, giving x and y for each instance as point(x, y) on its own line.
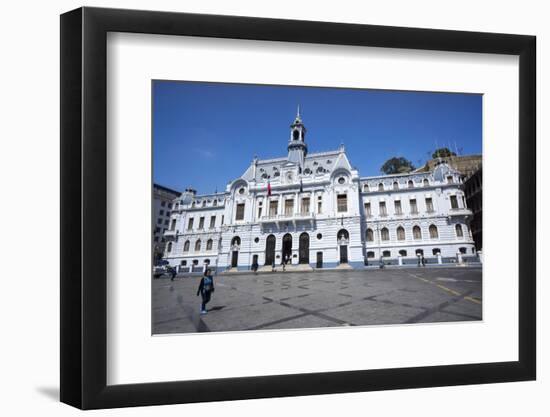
point(465, 164)
point(163, 199)
point(315, 210)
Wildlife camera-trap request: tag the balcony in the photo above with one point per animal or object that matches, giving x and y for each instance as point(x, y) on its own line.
point(170, 234)
point(284, 218)
point(460, 211)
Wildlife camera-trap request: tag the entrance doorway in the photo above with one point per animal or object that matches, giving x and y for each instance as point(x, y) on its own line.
point(343, 254)
point(234, 258)
point(270, 250)
point(342, 239)
point(287, 248)
point(319, 260)
point(303, 249)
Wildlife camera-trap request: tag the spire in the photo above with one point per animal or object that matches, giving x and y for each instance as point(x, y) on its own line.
point(298, 113)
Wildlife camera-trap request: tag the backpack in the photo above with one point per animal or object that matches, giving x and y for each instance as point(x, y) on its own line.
point(207, 284)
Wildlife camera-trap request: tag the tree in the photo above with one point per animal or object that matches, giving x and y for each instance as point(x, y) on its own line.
point(397, 165)
point(443, 153)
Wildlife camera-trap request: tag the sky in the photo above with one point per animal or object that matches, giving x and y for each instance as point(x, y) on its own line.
point(207, 134)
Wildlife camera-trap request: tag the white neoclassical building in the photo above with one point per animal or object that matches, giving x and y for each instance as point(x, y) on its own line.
point(314, 209)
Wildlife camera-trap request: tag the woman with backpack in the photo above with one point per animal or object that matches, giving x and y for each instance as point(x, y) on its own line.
point(206, 288)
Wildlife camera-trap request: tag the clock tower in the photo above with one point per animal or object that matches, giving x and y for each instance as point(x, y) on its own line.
point(297, 148)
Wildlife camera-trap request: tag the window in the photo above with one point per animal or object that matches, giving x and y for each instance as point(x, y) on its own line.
point(367, 210)
point(385, 234)
point(161, 212)
point(370, 235)
point(222, 218)
point(169, 205)
point(201, 223)
point(454, 202)
point(305, 205)
point(289, 207)
point(215, 202)
point(370, 254)
point(380, 187)
point(195, 262)
point(426, 182)
point(414, 208)
point(166, 222)
point(366, 188)
point(462, 251)
point(190, 224)
point(459, 232)
point(403, 252)
point(342, 200)
point(241, 190)
point(386, 253)
point(159, 221)
point(157, 229)
point(417, 233)
point(260, 211)
point(341, 180)
point(396, 185)
point(204, 203)
point(433, 231)
point(273, 208)
point(429, 205)
point(449, 179)
point(410, 184)
point(163, 203)
point(240, 212)
point(436, 251)
point(397, 207)
point(319, 204)
point(212, 221)
point(198, 245)
point(319, 236)
point(156, 238)
point(169, 247)
point(173, 225)
point(382, 208)
point(209, 244)
point(400, 233)
point(183, 263)
point(419, 252)
point(186, 246)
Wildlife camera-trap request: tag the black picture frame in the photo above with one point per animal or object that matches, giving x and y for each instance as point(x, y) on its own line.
point(84, 207)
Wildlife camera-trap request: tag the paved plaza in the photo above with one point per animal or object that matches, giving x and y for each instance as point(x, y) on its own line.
point(328, 298)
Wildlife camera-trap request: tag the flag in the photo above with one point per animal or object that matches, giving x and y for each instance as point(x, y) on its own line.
point(301, 186)
point(268, 189)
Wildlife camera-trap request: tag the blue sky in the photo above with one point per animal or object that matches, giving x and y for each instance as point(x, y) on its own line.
point(206, 134)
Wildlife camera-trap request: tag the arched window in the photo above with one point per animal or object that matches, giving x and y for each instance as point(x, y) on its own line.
point(186, 246)
point(169, 247)
point(433, 232)
point(343, 234)
point(417, 233)
point(426, 182)
point(436, 251)
point(410, 184)
point(380, 187)
point(419, 252)
point(462, 250)
point(400, 233)
point(366, 188)
point(236, 241)
point(370, 235)
point(385, 234)
point(386, 253)
point(370, 254)
point(209, 244)
point(396, 185)
point(459, 232)
point(403, 252)
point(198, 245)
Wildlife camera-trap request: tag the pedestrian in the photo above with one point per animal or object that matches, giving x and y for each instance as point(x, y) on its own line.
point(423, 260)
point(206, 288)
point(255, 266)
point(273, 265)
point(382, 263)
point(173, 272)
point(284, 263)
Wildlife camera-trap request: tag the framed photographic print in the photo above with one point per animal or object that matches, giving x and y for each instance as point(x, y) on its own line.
point(257, 208)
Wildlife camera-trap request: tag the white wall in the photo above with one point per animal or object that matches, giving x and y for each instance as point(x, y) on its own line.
point(29, 167)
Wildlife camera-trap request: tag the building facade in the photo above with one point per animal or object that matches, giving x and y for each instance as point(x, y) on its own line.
point(315, 210)
point(474, 199)
point(163, 200)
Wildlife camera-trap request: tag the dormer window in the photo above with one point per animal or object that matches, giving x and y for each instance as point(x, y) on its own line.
point(296, 135)
point(241, 190)
point(341, 180)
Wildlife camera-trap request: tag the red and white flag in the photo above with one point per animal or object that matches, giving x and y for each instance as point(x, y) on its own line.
point(268, 189)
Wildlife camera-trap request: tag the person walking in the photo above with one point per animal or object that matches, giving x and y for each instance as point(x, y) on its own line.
point(206, 288)
point(173, 272)
point(423, 260)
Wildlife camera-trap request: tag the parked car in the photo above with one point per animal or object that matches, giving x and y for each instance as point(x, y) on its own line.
point(160, 269)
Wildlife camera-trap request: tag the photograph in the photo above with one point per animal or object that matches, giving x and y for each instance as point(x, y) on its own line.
point(297, 207)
